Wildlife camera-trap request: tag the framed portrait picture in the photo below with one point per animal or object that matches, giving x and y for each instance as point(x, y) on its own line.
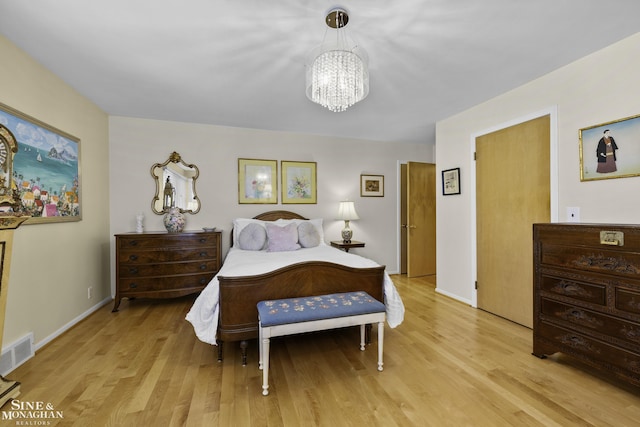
point(46, 169)
point(298, 182)
point(610, 150)
point(257, 181)
point(451, 181)
point(372, 185)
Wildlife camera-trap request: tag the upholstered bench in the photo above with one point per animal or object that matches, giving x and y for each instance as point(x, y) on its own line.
point(307, 314)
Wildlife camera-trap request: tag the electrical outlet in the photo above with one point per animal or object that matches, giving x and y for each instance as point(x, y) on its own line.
point(89, 292)
point(573, 214)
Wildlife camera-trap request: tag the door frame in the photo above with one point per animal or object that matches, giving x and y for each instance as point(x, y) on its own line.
point(552, 112)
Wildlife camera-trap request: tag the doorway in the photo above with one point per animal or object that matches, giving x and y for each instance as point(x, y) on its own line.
point(417, 219)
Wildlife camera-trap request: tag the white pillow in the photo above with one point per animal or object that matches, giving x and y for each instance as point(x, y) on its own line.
point(252, 237)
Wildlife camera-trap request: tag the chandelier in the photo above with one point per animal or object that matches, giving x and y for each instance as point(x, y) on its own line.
point(337, 72)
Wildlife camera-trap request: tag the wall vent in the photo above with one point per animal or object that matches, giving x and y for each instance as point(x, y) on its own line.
point(16, 354)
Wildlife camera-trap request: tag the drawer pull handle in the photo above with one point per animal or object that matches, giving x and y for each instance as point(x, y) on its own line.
point(133, 243)
point(203, 266)
point(133, 257)
point(203, 240)
point(612, 238)
point(203, 254)
point(133, 285)
point(133, 270)
point(203, 281)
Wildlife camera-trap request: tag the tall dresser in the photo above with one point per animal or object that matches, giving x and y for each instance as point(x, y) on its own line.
point(165, 265)
point(587, 295)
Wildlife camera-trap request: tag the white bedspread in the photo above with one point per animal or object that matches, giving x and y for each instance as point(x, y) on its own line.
point(204, 312)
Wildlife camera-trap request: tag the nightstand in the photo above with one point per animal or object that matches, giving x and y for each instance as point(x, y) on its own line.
point(346, 246)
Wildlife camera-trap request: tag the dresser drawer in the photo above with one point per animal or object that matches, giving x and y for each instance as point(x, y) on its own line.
point(575, 289)
point(144, 270)
point(591, 348)
point(628, 300)
point(167, 255)
point(143, 241)
point(604, 324)
point(598, 260)
point(588, 235)
point(165, 283)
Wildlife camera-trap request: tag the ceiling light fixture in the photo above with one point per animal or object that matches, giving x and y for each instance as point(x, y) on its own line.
point(337, 72)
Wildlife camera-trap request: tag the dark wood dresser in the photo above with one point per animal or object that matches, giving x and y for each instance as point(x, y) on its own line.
point(165, 265)
point(587, 295)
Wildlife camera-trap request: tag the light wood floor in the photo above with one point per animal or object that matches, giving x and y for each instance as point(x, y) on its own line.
point(446, 365)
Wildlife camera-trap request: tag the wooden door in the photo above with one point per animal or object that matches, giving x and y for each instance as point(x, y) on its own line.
point(421, 219)
point(403, 218)
point(512, 193)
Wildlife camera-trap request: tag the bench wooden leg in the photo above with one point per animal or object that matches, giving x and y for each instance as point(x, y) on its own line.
point(380, 344)
point(362, 337)
point(264, 363)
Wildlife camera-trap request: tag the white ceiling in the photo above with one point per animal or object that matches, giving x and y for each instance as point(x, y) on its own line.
point(242, 62)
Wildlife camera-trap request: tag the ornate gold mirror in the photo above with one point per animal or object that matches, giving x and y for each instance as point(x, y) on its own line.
point(8, 148)
point(175, 186)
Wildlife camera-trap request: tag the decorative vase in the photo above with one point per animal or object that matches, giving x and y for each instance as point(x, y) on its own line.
point(174, 220)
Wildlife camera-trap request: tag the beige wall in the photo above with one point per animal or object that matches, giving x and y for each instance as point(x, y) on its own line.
point(598, 88)
point(53, 264)
point(136, 144)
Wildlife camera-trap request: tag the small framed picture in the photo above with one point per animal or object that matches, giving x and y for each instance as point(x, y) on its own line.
point(451, 181)
point(372, 185)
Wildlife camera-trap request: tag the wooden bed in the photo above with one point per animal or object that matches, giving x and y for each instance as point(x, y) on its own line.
point(239, 295)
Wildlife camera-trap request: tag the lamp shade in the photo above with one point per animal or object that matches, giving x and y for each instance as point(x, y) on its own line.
point(347, 211)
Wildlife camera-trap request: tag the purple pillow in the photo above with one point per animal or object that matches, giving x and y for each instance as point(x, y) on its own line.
point(282, 238)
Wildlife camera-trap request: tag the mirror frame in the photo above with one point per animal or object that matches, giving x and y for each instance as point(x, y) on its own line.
point(173, 158)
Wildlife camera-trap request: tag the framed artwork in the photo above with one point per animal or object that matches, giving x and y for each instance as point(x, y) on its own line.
point(372, 185)
point(298, 182)
point(257, 181)
point(451, 181)
point(46, 169)
point(610, 150)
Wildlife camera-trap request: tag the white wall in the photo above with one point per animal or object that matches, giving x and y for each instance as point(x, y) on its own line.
point(54, 263)
point(136, 144)
point(599, 88)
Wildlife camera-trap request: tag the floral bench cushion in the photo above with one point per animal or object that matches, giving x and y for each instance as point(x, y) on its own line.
point(306, 309)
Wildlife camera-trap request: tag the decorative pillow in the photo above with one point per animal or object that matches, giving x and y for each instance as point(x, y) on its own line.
point(308, 235)
point(240, 223)
point(252, 237)
point(282, 239)
point(317, 222)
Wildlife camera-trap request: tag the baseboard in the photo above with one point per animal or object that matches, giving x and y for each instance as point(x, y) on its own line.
point(453, 296)
point(72, 323)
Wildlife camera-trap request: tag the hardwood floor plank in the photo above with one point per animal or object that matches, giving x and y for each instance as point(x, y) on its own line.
point(446, 365)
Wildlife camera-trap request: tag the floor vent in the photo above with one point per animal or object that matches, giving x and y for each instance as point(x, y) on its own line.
point(16, 354)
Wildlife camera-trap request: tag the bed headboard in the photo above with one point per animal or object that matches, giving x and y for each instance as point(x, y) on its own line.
point(274, 216)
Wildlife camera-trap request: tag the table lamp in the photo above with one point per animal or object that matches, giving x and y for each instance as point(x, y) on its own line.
point(347, 212)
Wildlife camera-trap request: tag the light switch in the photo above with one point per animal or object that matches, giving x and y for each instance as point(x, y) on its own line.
point(573, 214)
